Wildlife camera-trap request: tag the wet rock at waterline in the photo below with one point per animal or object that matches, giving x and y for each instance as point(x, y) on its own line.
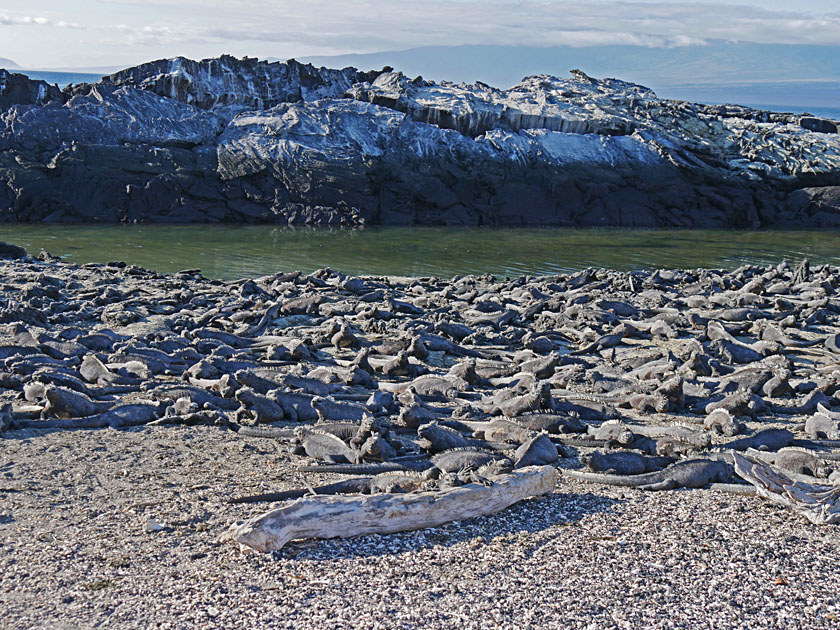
point(227, 140)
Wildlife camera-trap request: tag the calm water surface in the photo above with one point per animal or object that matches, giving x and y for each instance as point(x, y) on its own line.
point(61, 79)
point(231, 252)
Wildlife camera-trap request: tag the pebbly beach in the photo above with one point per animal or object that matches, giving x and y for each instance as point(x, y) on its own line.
point(147, 418)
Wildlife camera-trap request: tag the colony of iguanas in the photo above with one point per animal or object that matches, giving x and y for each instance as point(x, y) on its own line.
point(651, 379)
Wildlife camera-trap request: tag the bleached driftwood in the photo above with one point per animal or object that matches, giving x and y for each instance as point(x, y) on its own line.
point(819, 503)
point(348, 515)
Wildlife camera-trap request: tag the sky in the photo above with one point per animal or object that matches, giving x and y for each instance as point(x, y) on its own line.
point(105, 33)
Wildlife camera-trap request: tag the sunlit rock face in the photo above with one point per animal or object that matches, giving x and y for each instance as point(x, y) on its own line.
point(233, 140)
point(227, 82)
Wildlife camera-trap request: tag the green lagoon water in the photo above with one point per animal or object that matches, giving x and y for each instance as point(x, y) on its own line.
point(230, 252)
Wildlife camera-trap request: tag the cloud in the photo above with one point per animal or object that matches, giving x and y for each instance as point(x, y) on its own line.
point(27, 20)
point(161, 28)
point(147, 35)
point(332, 26)
point(370, 26)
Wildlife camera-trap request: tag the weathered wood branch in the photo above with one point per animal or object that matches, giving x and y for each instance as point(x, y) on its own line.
point(819, 503)
point(346, 516)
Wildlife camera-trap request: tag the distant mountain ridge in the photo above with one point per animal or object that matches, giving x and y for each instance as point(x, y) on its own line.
point(8, 64)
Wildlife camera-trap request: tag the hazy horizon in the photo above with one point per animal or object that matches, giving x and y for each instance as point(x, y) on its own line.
point(50, 34)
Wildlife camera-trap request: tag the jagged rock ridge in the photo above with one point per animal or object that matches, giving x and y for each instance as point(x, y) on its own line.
point(242, 84)
point(242, 140)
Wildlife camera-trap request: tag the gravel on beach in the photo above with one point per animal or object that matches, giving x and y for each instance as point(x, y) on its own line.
point(76, 553)
point(120, 526)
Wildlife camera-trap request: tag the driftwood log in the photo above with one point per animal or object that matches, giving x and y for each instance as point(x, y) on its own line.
point(819, 503)
point(347, 515)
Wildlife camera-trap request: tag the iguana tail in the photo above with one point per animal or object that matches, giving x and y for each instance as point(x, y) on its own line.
point(263, 432)
point(368, 469)
point(630, 481)
point(816, 443)
point(350, 486)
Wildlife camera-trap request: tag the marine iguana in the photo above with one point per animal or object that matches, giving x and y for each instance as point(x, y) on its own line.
point(68, 379)
point(540, 367)
point(436, 438)
point(452, 461)
point(778, 385)
point(400, 366)
point(377, 446)
point(128, 415)
point(65, 403)
point(796, 460)
point(257, 382)
point(7, 420)
point(823, 424)
point(624, 462)
point(351, 432)
point(602, 343)
point(97, 373)
point(538, 451)
point(297, 407)
point(612, 433)
point(678, 433)
point(201, 397)
point(766, 440)
point(344, 337)
point(538, 398)
point(735, 352)
point(832, 343)
point(721, 422)
point(258, 407)
point(502, 430)
point(809, 405)
point(415, 412)
point(359, 485)
point(330, 410)
point(326, 447)
point(388, 482)
point(694, 473)
point(432, 388)
point(741, 403)
point(771, 333)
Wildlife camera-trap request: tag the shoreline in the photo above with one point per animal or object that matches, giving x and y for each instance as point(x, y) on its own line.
point(77, 503)
point(232, 253)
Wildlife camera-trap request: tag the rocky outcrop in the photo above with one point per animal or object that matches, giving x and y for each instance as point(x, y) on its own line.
point(226, 140)
point(538, 102)
point(18, 89)
point(820, 204)
point(234, 84)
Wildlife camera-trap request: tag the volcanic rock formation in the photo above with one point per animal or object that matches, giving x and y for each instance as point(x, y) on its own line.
point(227, 140)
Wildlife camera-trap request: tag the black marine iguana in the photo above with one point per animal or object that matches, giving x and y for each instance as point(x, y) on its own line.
point(694, 473)
point(624, 463)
